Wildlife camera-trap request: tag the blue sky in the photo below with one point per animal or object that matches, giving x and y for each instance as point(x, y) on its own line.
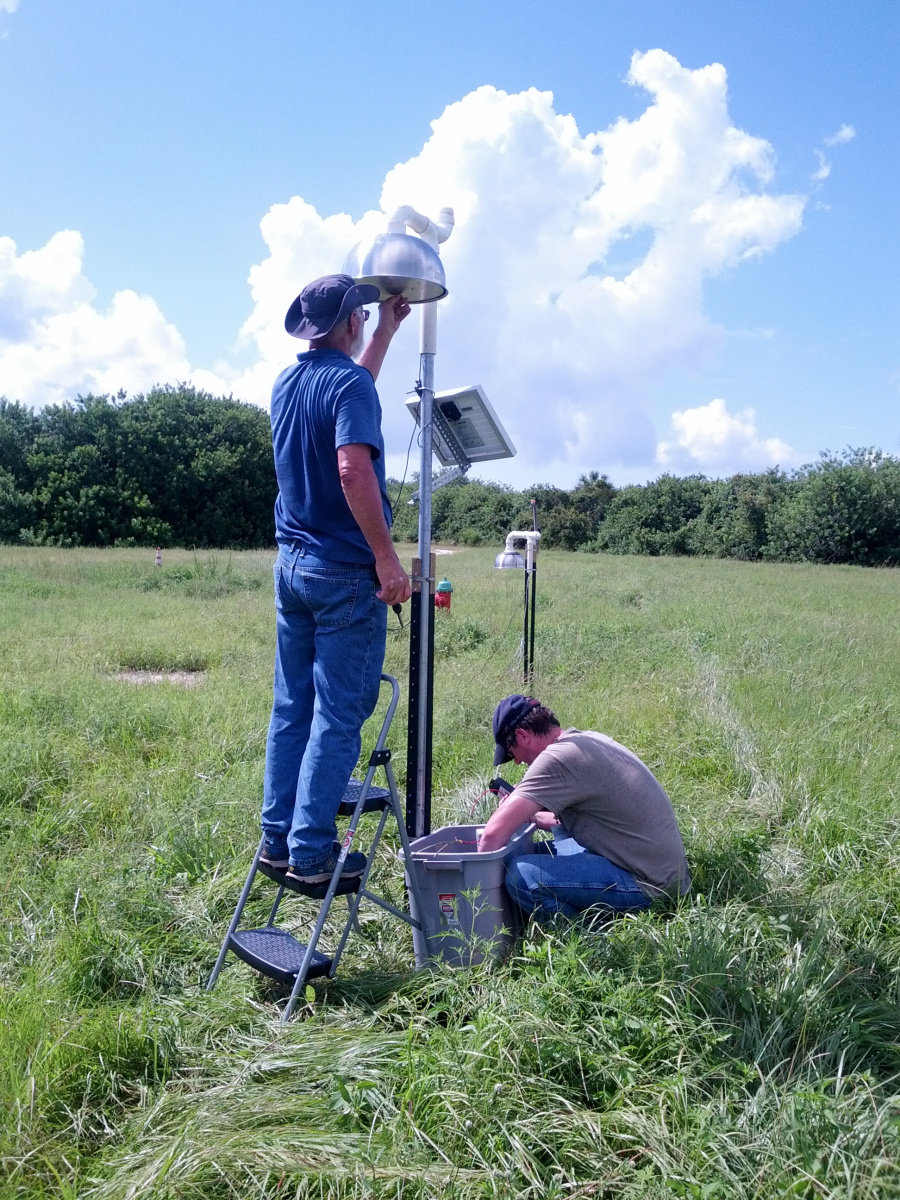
point(143, 144)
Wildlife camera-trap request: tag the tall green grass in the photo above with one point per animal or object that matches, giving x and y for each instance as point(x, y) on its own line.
point(745, 1043)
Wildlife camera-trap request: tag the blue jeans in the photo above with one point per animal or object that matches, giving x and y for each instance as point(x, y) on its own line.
point(568, 882)
point(331, 631)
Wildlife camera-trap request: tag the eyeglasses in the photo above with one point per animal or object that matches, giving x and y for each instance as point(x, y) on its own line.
point(362, 313)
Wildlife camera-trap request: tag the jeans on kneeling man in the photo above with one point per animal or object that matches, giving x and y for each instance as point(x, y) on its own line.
point(331, 631)
point(562, 877)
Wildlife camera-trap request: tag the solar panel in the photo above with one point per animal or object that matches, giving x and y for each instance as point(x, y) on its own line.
point(474, 425)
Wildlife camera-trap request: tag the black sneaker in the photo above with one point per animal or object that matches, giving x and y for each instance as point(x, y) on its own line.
point(322, 869)
point(275, 855)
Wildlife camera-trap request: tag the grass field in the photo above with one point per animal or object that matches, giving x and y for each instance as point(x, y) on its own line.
point(745, 1044)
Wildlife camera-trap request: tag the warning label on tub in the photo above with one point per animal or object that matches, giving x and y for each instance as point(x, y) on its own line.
point(447, 905)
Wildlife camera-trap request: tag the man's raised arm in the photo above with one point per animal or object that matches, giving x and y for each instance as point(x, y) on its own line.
point(391, 314)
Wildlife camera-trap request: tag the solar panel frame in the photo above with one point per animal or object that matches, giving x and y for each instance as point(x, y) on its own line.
point(478, 429)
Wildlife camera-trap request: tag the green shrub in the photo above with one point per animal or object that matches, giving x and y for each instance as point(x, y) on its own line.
point(16, 509)
point(176, 466)
point(566, 529)
point(734, 520)
point(844, 509)
point(657, 518)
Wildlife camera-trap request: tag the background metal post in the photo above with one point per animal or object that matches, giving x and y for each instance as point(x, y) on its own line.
point(533, 610)
point(531, 569)
point(526, 665)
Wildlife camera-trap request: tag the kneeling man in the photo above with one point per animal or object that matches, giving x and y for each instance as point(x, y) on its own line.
point(620, 845)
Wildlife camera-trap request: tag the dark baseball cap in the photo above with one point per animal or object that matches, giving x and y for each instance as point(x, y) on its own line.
point(508, 716)
point(326, 302)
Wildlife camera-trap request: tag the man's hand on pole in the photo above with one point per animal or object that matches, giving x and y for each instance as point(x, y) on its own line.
point(391, 315)
point(395, 587)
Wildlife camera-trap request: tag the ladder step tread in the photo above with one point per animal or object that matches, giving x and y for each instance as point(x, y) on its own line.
point(313, 891)
point(276, 953)
point(377, 799)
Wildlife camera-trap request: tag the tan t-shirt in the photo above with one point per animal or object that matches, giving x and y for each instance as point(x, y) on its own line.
point(612, 804)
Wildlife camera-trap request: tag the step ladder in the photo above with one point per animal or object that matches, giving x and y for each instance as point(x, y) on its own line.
point(277, 953)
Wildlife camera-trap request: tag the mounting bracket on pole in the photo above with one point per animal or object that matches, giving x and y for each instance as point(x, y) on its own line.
point(451, 442)
point(450, 476)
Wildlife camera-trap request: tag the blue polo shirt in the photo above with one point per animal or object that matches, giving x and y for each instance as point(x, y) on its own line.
point(324, 401)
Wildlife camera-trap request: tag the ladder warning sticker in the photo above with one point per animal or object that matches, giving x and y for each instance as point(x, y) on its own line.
point(447, 905)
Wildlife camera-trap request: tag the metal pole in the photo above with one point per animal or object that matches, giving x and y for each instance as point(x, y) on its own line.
point(427, 350)
point(533, 610)
point(526, 674)
point(412, 708)
point(528, 635)
point(532, 567)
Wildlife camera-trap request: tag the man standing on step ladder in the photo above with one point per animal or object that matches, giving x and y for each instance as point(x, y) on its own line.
point(336, 572)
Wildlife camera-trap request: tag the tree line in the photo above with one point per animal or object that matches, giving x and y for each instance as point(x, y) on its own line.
point(174, 467)
point(845, 508)
point(180, 467)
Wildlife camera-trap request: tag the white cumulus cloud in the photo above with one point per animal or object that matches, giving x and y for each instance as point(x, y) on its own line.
point(577, 264)
point(576, 271)
point(9, 6)
point(55, 344)
point(714, 441)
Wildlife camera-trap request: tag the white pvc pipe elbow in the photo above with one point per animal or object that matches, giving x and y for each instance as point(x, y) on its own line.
point(531, 536)
point(433, 232)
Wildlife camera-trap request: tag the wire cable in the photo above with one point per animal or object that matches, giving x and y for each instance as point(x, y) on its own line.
point(396, 502)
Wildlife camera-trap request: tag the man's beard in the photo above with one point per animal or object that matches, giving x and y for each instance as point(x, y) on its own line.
point(358, 343)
